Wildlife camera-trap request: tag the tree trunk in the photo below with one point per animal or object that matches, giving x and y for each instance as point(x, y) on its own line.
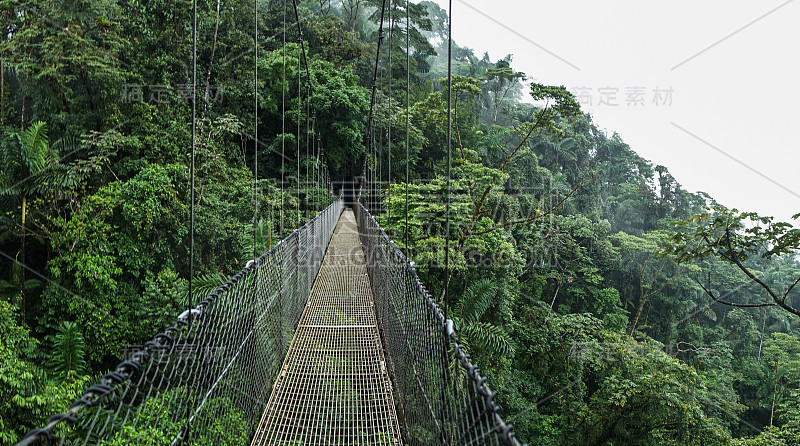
point(642, 301)
point(774, 394)
point(553, 302)
point(761, 341)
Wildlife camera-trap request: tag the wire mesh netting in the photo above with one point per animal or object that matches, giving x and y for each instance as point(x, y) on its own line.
point(206, 379)
point(334, 388)
point(441, 397)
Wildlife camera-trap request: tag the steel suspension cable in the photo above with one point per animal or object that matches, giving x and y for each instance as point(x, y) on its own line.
point(389, 139)
point(449, 145)
point(283, 120)
point(301, 49)
point(314, 160)
point(317, 170)
point(370, 121)
point(255, 131)
point(408, 115)
point(187, 426)
point(313, 167)
point(375, 167)
point(308, 121)
point(302, 43)
point(447, 217)
point(379, 148)
point(194, 148)
point(299, 93)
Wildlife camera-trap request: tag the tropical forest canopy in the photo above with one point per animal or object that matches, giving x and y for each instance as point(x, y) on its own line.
point(606, 304)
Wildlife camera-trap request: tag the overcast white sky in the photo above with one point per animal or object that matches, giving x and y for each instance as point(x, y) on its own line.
point(733, 68)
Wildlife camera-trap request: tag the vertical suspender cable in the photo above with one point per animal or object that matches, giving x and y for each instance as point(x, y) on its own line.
point(191, 187)
point(308, 120)
point(317, 166)
point(389, 142)
point(371, 121)
point(313, 166)
point(449, 144)
point(374, 144)
point(447, 212)
point(301, 46)
point(378, 148)
point(299, 92)
point(255, 132)
point(194, 148)
point(373, 163)
point(283, 117)
point(408, 114)
point(314, 159)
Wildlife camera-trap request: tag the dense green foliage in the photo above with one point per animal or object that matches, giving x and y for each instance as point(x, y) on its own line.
point(225, 424)
point(596, 319)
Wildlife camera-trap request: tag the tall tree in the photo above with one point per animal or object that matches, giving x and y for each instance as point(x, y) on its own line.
point(782, 364)
point(30, 169)
point(502, 80)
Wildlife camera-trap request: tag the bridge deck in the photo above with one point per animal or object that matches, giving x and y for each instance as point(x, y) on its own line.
point(333, 388)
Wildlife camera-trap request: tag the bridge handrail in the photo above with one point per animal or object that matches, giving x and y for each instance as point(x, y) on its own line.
point(319, 228)
point(468, 416)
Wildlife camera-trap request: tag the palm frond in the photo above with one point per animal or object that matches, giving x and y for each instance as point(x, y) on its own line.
point(203, 285)
point(66, 146)
point(9, 150)
point(483, 335)
point(34, 146)
point(52, 179)
point(477, 299)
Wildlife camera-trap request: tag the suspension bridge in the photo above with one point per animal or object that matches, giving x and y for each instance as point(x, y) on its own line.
point(328, 338)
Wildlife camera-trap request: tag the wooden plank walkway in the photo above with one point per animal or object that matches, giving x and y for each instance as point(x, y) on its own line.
point(333, 388)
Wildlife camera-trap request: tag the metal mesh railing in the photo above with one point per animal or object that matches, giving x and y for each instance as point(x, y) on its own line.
point(442, 399)
point(206, 379)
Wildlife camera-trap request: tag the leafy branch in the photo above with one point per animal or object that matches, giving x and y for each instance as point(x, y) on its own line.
point(733, 237)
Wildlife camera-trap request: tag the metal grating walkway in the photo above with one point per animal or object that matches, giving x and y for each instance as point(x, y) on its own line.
point(333, 388)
